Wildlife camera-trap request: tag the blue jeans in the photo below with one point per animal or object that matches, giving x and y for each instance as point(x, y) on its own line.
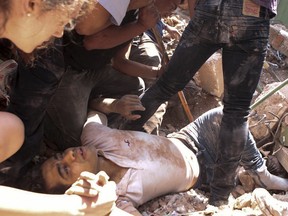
point(217, 25)
point(201, 137)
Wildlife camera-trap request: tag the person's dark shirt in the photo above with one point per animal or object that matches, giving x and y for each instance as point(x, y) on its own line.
point(79, 58)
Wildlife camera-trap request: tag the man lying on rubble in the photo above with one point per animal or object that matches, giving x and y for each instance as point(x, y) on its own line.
point(147, 166)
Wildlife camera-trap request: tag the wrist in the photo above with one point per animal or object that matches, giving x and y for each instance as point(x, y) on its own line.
point(76, 205)
point(114, 106)
point(156, 71)
point(110, 105)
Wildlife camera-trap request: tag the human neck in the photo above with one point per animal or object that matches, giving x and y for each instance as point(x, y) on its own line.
point(114, 171)
point(2, 25)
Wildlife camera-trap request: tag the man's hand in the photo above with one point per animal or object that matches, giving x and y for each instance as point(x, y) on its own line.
point(126, 105)
point(98, 194)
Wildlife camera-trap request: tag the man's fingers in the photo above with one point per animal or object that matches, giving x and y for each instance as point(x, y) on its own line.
point(88, 184)
point(132, 98)
point(133, 117)
point(128, 110)
point(101, 176)
point(88, 192)
point(135, 107)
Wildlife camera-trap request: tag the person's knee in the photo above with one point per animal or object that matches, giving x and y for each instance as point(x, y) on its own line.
point(11, 134)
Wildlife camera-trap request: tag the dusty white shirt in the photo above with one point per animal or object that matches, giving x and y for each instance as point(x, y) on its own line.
point(156, 165)
point(117, 9)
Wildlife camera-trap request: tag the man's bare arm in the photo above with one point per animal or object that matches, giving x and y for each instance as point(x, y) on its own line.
point(17, 202)
point(94, 22)
point(116, 35)
point(122, 63)
point(124, 106)
point(191, 6)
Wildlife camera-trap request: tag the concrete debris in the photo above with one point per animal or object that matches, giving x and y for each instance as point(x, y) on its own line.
point(279, 38)
point(266, 116)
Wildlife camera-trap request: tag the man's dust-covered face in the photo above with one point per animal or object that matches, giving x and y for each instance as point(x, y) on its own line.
point(64, 169)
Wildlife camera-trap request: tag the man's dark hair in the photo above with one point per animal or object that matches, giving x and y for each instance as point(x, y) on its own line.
point(32, 179)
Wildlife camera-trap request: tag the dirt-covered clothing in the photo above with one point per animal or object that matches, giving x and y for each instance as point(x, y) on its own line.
point(218, 25)
point(159, 165)
point(77, 56)
point(88, 75)
point(67, 111)
point(145, 50)
point(58, 86)
point(156, 165)
point(33, 89)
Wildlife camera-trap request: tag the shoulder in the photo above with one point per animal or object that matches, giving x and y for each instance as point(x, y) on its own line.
point(116, 8)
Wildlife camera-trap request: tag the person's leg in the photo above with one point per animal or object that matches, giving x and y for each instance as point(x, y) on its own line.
point(200, 136)
point(242, 64)
point(31, 91)
point(144, 50)
point(114, 84)
point(189, 56)
point(67, 111)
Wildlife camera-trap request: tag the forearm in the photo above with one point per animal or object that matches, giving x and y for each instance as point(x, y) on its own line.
point(113, 36)
point(191, 7)
point(18, 202)
point(135, 69)
point(103, 105)
point(123, 106)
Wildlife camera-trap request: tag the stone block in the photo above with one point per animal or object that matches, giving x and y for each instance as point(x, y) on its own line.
point(210, 76)
point(279, 38)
